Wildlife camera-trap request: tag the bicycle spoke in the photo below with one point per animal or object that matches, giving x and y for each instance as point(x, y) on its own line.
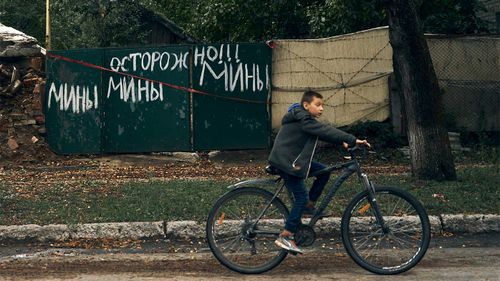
point(230, 237)
point(408, 208)
point(378, 231)
point(239, 241)
point(232, 242)
point(370, 250)
point(381, 239)
point(275, 211)
point(377, 250)
point(404, 240)
point(367, 239)
point(246, 209)
point(395, 205)
point(242, 242)
point(404, 229)
point(236, 217)
point(404, 235)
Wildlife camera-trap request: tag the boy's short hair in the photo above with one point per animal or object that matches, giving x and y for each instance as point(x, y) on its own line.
point(309, 95)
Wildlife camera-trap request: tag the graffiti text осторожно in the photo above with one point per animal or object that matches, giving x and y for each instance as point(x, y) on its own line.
point(220, 63)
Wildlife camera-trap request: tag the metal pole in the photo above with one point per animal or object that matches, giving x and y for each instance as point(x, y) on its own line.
point(47, 25)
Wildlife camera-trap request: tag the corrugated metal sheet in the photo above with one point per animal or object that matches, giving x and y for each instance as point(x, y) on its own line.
point(242, 73)
point(144, 116)
point(175, 98)
point(73, 103)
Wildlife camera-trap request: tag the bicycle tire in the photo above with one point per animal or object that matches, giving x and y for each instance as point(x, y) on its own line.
point(217, 215)
point(394, 240)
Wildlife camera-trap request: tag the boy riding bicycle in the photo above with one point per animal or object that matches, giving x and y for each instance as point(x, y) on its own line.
point(292, 155)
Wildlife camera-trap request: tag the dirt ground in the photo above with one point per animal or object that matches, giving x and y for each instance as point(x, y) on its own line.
point(474, 257)
point(116, 169)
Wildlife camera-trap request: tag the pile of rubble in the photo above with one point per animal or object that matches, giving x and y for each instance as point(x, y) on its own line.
point(22, 123)
point(16, 44)
point(22, 84)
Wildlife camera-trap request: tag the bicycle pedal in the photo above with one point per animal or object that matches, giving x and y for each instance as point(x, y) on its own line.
point(293, 253)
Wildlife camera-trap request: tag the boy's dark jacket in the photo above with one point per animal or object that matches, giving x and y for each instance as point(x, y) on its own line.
point(296, 141)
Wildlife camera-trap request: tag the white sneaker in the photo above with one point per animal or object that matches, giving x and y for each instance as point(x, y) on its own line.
point(287, 244)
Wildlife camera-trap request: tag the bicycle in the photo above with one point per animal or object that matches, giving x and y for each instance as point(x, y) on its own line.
point(385, 230)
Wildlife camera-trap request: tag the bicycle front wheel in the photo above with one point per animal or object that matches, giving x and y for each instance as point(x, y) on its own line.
point(398, 247)
point(236, 240)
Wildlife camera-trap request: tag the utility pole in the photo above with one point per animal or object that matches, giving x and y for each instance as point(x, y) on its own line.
point(47, 25)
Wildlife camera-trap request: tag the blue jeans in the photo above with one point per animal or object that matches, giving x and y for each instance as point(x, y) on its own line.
point(297, 187)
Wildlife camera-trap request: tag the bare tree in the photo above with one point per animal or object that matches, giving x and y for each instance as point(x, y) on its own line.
point(431, 156)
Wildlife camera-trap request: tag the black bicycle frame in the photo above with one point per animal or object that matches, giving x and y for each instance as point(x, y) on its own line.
point(349, 167)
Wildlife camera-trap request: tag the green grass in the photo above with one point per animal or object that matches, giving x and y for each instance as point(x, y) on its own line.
point(392, 156)
point(135, 201)
point(476, 191)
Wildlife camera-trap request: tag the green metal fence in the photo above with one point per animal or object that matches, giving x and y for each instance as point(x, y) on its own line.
point(242, 120)
point(141, 115)
point(73, 100)
point(173, 98)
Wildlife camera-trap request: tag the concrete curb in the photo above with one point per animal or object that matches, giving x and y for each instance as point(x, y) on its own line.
point(470, 223)
point(61, 232)
point(180, 230)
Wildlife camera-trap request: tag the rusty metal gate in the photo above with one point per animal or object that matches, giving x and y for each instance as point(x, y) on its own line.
point(172, 98)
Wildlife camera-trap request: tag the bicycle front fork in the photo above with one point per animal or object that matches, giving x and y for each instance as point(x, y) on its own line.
point(373, 202)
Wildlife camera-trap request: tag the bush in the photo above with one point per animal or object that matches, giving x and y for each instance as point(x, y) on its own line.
point(480, 139)
point(379, 134)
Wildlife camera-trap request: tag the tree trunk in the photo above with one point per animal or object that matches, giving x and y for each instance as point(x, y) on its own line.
point(431, 156)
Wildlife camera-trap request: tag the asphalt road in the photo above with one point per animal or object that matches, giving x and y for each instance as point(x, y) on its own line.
point(449, 258)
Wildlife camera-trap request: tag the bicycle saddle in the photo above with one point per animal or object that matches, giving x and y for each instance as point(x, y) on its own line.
point(271, 170)
point(320, 172)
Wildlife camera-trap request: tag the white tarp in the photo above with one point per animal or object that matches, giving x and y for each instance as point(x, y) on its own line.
point(350, 71)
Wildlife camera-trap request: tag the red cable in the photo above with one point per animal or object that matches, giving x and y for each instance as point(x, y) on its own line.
point(177, 87)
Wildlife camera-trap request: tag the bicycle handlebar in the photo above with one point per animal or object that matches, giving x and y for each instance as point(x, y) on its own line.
point(353, 150)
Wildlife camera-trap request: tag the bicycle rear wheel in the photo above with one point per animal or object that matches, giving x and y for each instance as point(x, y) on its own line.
point(234, 239)
point(394, 250)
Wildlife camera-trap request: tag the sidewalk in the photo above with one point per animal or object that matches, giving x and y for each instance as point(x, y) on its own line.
point(457, 257)
point(181, 230)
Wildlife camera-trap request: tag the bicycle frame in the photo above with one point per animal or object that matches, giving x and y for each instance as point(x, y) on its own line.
point(255, 216)
point(349, 168)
